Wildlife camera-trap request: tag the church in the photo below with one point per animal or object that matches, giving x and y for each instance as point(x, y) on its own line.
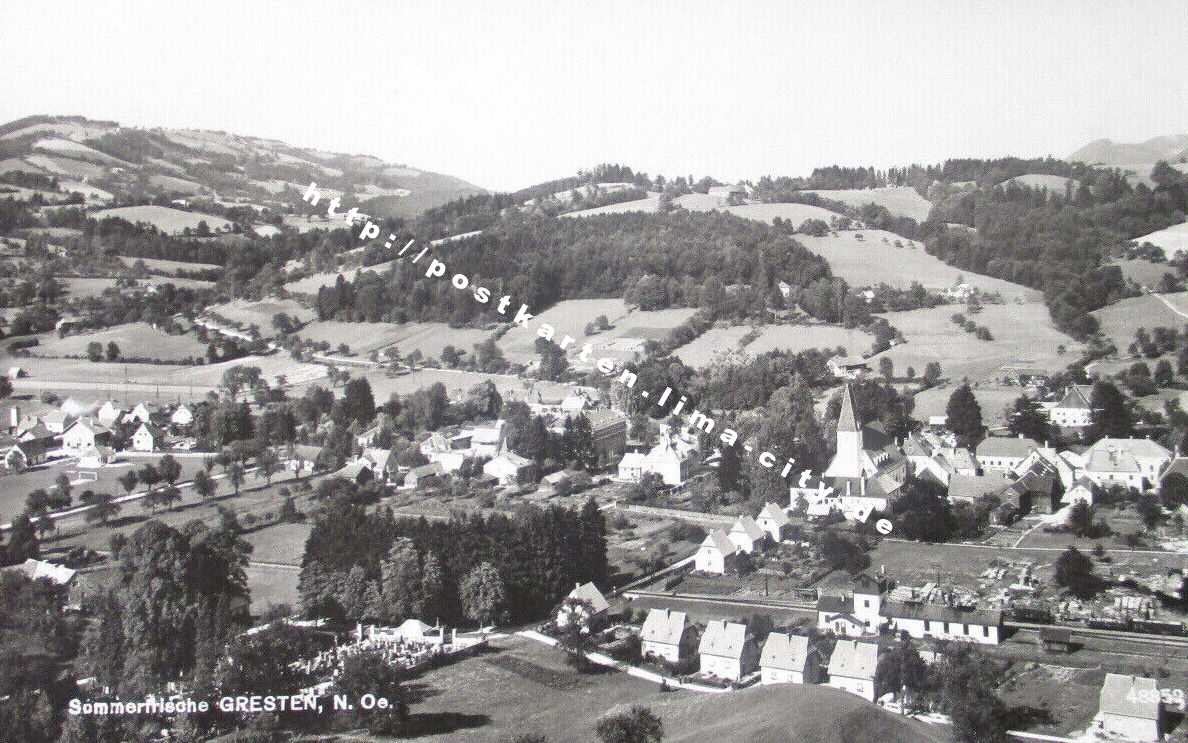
point(866, 471)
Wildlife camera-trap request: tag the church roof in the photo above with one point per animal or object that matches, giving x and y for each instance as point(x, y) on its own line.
point(847, 419)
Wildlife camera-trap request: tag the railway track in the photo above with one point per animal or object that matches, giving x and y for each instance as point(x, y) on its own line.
point(1138, 637)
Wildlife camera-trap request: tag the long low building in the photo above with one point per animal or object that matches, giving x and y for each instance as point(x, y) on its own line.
point(943, 622)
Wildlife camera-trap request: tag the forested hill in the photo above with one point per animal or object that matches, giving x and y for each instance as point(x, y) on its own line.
point(709, 259)
point(1058, 243)
point(105, 161)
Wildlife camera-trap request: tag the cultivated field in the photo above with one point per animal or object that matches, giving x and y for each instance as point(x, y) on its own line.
point(1173, 239)
point(168, 267)
point(134, 339)
point(1023, 335)
point(567, 318)
point(712, 345)
point(901, 201)
point(1144, 272)
point(649, 205)
point(993, 401)
point(428, 338)
point(67, 167)
point(316, 222)
point(1120, 320)
point(261, 313)
point(311, 284)
point(179, 185)
point(167, 220)
point(803, 337)
point(870, 261)
point(70, 148)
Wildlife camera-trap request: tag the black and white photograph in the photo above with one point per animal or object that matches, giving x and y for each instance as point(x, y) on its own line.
point(594, 372)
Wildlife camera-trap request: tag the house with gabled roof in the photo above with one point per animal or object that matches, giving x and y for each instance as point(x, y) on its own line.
point(727, 651)
point(787, 659)
point(423, 476)
point(1073, 409)
point(1004, 453)
point(1083, 489)
point(852, 667)
point(867, 468)
point(147, 438)
point(944, 622)
point(510, 468)
point(746, 534)
point(145, 412)
point(1134, 463)
point(592, 618)
point(716, 553)
point(58, 421)
point(774, 521)
point(668, 635)
point(83, 434)
point(182, 416)
point(1130, 708)
point(110, 413)
point(852, 610)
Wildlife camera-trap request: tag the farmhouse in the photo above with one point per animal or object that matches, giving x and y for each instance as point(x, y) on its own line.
point(852, 667)
point(84, 434)
point(593, 618)
point(145, 412)
point(147, 438)
point(969, 488)
point(727, 651)
point(1135, 463)
point(852, 612)
point(667, 634)
point(715, 554)
point(18, 456)
point(94, 457)
point(943, 622)
point(609, 431)
point(57, 421)
point(746, 534)
point(1073, 409)
point(383, 463)
point(182, 416)
point(1083, 489)
point(1004, 454)
point(785, 660)
point(1130, 708)
point(110, 413)
point(847, 367)
point(773, 521)
point(423, 476)
point(510, 468)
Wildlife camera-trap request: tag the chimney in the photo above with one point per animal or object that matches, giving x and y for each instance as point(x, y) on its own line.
point(14, 417)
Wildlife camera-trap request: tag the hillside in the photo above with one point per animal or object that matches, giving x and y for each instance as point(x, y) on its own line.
point(1138, 157)
point(235, 170)
point(785, 714)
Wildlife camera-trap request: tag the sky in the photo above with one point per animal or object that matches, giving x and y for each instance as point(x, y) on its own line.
point(507, 94)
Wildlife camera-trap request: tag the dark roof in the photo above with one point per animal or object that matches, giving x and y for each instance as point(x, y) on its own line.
point(847, 419)
point(940, 613)
point(1055, 634)
point(834, 604)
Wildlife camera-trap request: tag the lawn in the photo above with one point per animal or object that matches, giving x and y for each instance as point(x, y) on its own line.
point(798, 338)
point(166, 219)
point(133, 339)
point(261, 313)
point(1172, 239)
point(1120, 320)
point(429, 338)
point(282, 543)
point(901, 201)
point(567, 318)
point(993, 401)
point(869, 261)
point(1023, 335)
point(713, 345)
point(1144, 272)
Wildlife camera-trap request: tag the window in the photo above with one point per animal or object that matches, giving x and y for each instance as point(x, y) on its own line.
point(946, 628)
point(985, 631)
point(866, 603)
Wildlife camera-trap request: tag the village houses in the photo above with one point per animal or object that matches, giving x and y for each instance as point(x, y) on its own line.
point(716, 553)
point(787, 659)
point(852, 667)
point(668, 635)
point(727, 651)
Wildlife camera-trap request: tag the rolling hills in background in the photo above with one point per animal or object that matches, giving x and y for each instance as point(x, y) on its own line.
point(105, 161)
point(1138, 157)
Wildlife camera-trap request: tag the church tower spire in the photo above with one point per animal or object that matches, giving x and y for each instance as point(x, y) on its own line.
point(847, 462)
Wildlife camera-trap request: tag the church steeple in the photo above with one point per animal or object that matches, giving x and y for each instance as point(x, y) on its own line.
point(847, 462)
point(847, 419)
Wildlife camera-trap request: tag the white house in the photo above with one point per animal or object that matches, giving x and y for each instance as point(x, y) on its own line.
point(666, 634)
point(94, 457)
point(664, 460)
point(847, 367)
point(510, 468)
point(852, 667)
point(109, 413)
point(594, 617)
point(785, 660)
point(147, 438)
point(1135, 463)
point(1083, 489)
point(726, 651)
point(57, 421)
point(715, 553)
point(853, 612)
point(83, 434)
point(144, 412)
point(182, 416)
point(1004, 453)
point(1073, 410)
point(746, 534)
point(943, 622)
point(1130, 708)
point(773, 521)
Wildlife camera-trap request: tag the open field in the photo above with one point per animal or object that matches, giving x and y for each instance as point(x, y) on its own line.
point(649, 205)
point(1023, 334)
point(870, 261)
point(170, 183)
point(429, 338)
point(797, 338)
point(134, 339)
point(457, 383)
point(272, 586)
point(1120, 320)
point(282, 543)
point(261, 313)
point(993, 401)
point(167, 220)
point(168, 267)
point(901, 201)
point(1144, 272)
point(525, 687)
point(316, 222)
point(1055, 184)
point(104, 379)
point(1173, 240)
point(90, 192)
point(704, 203)
point(67, 167)
point(310, 284)
point(567, 318)
point(712, 345)
point(70, 148)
